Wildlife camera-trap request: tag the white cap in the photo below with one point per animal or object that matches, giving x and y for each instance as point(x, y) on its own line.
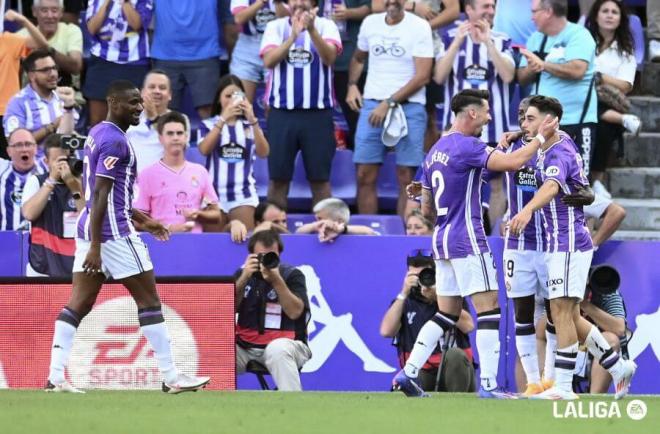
point(395, 126)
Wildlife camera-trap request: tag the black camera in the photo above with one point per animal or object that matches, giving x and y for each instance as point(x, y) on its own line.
point(73, 143)
point(603, 280)
point(426, 278)
point(269, 260)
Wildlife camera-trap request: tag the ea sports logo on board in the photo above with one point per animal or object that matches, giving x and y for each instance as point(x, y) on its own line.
point(110, 351)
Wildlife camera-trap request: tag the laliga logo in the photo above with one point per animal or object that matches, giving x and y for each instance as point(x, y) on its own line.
point(636, 410)
point(110, 351)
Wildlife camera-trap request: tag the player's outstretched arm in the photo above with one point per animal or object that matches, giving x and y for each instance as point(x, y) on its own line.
point(548, 190)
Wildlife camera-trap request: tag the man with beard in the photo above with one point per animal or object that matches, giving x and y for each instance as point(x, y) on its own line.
point(107, 244)
point(13, 176)
point(399, 48)
point(300, 51)
point(473, 56)
point(41, 107)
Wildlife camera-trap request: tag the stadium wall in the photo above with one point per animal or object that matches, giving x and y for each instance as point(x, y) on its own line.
point(352, 281)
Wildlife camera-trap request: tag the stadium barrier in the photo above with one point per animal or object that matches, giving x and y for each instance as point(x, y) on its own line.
point(352, 281)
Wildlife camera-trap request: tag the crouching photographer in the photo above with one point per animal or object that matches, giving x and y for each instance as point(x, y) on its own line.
point(450, 367)
point(603, 306)
point(273, 311)
point(51, 202)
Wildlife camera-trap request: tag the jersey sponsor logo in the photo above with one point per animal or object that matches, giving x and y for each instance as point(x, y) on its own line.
point(525, 179)
point(554, 282)
point(299, 57)
point(476, 74)
point(551, 171)
point(263, 17)
point(113, 354)
point(110, 162)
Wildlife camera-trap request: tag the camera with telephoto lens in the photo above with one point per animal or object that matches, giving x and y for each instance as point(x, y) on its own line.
point(603, 280)
point(73, 143)
point(426, 278)
point(269, 260)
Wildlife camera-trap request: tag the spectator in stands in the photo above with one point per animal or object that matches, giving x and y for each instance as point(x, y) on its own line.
point(653, 29)
point(41, 107)
point(608, 216)
point(559, 59)
point(399, 48)
point(275, 337)
point(51, 202)
point(120, 48)
point(156, 95)
point(252, 16)
point(186, 46)
point(413, 306)
point(332, 217)
point(177, 193)
point(72, 9)
point(13, 176)
point(270, 215)
point(514, 18)
point(65, 41)
point(348, 15)
point(300, 51)
point(417, 224)
point(615, 73)
point(12, 49)
point(231, 139)
point(439, 14)
point(474, 56)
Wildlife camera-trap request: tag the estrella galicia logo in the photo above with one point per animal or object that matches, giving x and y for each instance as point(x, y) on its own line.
point(525, 179)
point(16, 196)
point(299, 57)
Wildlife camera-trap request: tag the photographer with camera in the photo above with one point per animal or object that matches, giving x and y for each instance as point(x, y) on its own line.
point(412, 308)
point(273, 311)
point(51, 202)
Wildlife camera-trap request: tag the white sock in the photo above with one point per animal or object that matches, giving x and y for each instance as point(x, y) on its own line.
point(565, 366)
point(488, 346)
point(59, 354)
point(159, 339)
point(526, 346)
point(426, 341)
point(550, 353)
point(603, 352)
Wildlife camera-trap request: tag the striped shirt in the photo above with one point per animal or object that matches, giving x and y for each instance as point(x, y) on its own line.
point(28, 110)
point(610, 303)
point(520, 187)
point(472, 69)
point(109, 154)
point(232, 160)
point(12, 183)
point(565, 226)
point(116, 41)
point(302, 80)
point(257, 25)
point(452, 171)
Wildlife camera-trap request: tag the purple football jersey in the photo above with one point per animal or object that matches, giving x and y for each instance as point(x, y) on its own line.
point(520, 187)
point(566, 230)
point(109, 154)
point(452, 171)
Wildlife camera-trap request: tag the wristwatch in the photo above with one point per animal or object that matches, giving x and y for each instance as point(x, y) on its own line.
point(390, 102)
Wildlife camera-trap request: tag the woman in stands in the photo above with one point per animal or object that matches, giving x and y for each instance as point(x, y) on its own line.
point(231, 138)
point(417, 224)
point(615, 72)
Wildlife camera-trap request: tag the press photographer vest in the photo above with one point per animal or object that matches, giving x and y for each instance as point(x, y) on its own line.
point(261, 318)
point(51, 253)
point(415, 314)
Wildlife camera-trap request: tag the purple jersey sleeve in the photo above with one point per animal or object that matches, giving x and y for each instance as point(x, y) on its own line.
point(556, 168)
point(475, 154)
point(110, 154)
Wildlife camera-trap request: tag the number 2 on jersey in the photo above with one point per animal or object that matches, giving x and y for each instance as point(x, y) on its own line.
point(438, 183)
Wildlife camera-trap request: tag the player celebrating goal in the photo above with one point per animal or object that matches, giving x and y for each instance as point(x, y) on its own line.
point(108, 245)
point(464, 264)
point(568, 255)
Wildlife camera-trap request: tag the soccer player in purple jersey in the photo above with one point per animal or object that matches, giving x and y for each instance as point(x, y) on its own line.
point(464, 264)
point(108, 245)
point(568, 255)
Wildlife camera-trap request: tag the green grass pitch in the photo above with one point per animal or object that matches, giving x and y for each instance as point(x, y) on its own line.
point(120, 412)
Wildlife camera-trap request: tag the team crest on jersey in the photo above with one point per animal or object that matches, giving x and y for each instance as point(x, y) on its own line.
point(110, 162)
point(552, 171)
point(194, 182)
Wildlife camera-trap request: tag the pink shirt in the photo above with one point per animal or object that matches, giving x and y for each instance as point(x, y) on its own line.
point(164, 193)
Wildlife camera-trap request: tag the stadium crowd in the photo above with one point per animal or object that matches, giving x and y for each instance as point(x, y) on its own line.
point(389, 67)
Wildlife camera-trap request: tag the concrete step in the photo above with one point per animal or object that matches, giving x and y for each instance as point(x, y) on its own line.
point(643, 150)
point(636, 235)
point(635, 182)
point(641, 214)
point(650, 79)
point(648, 110)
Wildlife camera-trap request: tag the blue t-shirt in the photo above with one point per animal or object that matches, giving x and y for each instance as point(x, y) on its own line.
point(186, 30)
point(514, 18)
point(574, 42)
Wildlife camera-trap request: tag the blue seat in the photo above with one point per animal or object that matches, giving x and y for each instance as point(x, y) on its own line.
point(387, 183)
point(637, 31)
point(260, 171)
point(342, 176)
point(383, 224)
point(193, 154)
point(294, 221)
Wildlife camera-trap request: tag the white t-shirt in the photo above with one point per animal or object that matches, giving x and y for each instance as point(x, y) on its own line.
point(31, 188)
point(611, 63)
point(392, 50)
